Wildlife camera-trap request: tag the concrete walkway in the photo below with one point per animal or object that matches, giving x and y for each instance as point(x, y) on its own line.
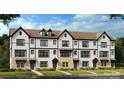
point(64, 72)
point(36, 72)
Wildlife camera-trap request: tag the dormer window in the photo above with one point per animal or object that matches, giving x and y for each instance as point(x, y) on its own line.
point(49, 32)
point(20, 33)
point(43, 32)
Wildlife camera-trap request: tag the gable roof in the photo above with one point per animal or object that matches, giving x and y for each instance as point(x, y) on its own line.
point(56, 34)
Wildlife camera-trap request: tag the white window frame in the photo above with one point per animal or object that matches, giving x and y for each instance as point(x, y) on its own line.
point(85, 54)
point(85, 43)
point(103, 44)
point(75, 42)
point(32, 51)
point(20, 53)
point(85, 63)
point(32, 41)
point(43, 63)
point(54, 42)
point(43, 53)
point(65, 64)
point(65, 43)
point(43, 43)
point(20, 42)
point(103, 53)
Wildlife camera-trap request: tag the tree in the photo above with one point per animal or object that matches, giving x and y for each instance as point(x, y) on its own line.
point(4, 40)
point(7, 18)
point(114, 16)
point(4, 51)
point(119, 50)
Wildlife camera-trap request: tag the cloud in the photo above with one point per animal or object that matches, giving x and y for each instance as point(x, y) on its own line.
point(24, 23)
point(3, 29)
point(82, 23)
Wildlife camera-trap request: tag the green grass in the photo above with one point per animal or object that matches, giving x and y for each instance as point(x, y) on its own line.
point(98, 71)
point(17, 74)
point(120, 71)
point(51, 73)
point(79, 72)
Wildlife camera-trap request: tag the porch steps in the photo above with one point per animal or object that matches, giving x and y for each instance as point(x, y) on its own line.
point(64, 72)
point(38, 73)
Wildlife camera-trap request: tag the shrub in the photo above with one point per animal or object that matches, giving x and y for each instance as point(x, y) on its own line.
point(6, 70)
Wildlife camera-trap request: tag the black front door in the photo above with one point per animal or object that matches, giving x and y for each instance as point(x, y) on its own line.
point(54, 65)
point(94, 64)
point(32, 64)
point(75, 64)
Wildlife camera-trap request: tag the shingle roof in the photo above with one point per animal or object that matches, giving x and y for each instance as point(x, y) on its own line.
point(56, 34)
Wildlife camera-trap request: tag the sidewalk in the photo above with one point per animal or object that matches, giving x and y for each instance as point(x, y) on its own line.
point(38, 73)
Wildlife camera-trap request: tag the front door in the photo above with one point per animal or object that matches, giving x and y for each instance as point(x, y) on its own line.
point(54, 65)
point(32, 64)
point(94, 64)
point(75, 64)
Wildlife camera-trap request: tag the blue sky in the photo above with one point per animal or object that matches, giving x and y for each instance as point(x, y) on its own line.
point(72, 22)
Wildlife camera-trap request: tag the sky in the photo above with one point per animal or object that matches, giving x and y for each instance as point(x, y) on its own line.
point(71, 22)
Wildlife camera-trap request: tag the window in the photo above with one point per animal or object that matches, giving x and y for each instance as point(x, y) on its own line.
point(65, 35)
point(112, 43)
point(64, 64)
point(94, 43)
point(32, 51)
point(103, 44)
point(43, 42)
point(20, 64)
point(104, 62)
point(54, 42)
point(54, 52)
point(43, 53)
point(112, 52)
point(94, 52)
point(103, 37)
point(65, 43)
point(75, 52)
point(85, 44)
point(85, 64)
point(103, 53)
point(20, 33)
point(85, 54)
point(75, 42)
point(20, 42)
point(43, 64)
point(20, 53)
point(32, 41)
point(65, 53)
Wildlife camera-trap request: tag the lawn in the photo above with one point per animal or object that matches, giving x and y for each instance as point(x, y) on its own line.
point(98, 71)
point(52, 73)
point(17, 74)
point(79, 72)
point(121, 71)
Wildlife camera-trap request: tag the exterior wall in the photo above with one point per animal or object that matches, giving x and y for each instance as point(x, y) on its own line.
point(62, 37)
point(36, 47)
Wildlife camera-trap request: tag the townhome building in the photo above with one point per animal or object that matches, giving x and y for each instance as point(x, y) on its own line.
point(32, 49)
